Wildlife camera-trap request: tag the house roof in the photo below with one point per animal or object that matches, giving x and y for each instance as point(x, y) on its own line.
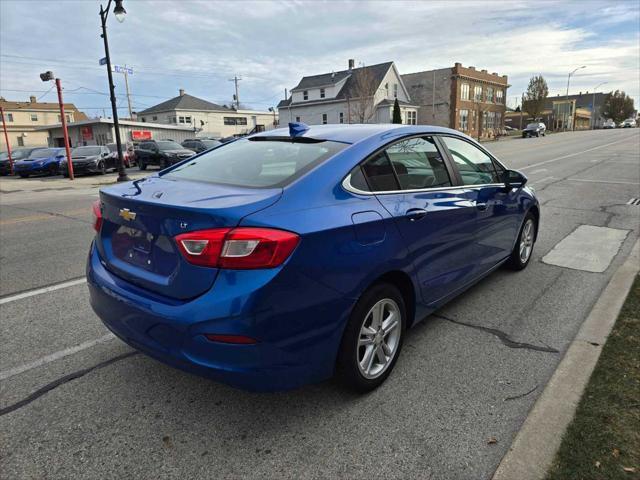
point(9, 106)
point(583, 100)
point(389, 101)
point(109, 121)
point(184, 102)
point(315, 81)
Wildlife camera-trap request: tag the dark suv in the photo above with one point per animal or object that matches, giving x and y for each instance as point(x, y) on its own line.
point(200, 144)
point(163, 153)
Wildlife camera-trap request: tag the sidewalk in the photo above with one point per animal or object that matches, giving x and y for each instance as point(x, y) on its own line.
point(10, 184)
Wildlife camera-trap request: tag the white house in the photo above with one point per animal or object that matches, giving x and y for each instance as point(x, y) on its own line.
point(356, 95)
point(206, 118)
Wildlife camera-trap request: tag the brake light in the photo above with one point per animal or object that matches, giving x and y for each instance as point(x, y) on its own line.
point(97, 215)
point(239, 248)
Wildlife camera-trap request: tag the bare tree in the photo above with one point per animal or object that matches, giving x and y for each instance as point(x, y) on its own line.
point(362, 100)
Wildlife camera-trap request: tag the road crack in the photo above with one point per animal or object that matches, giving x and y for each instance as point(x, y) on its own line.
point(502, 336)
point(61, 381)
point(516, 397)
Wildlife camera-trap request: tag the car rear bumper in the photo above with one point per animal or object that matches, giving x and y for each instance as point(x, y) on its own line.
point(173, 332)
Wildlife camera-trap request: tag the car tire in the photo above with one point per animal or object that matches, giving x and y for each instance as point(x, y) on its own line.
point(523, 248)
point(23, 175)
point(102, 169)
point(537, 134)
point(142, 165)
point(368, 351)
point(53, 170)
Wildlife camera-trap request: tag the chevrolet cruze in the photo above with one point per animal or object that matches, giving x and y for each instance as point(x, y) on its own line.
point(295, 254)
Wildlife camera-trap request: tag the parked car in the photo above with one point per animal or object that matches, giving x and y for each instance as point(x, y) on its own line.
point(534, 129)
point(279, 259)
point(609, 124)
point(40, 161)
point(629, 123)
point(19, 153)
point(163, 153)
point(89, 159)
point(200, 144)
point(128, 154)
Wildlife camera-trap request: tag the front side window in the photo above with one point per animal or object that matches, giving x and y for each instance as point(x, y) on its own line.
point(418, 164)
point(256, 162)
point(475, 166)
point(87, 151)
point(464, 91)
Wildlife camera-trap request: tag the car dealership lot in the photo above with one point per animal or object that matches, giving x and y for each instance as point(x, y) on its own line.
point(468, 374)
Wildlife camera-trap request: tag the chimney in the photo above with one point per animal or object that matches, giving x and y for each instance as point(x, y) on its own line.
point(472, 68)
point(484, 71)
point(458, 64)
point(352, 63)
point(494, 74)
point(32, 99)
point(181, 92)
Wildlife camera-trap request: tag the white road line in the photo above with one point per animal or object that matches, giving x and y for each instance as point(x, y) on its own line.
point(602, 181)
point(573, 154)
point(540, 170)
point(55, 356)
point(542, 180)
point(39, 291)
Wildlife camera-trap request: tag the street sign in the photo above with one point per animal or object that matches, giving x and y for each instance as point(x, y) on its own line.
point(103, 61)
point(121, 69)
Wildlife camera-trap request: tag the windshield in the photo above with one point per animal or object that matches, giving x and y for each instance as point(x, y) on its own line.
point(211, 143)
point(43, 152)
point(85, 151)
point(167, 145)
point(256, 163)
point(532, 125)
point(15, 154)
point(112, 147)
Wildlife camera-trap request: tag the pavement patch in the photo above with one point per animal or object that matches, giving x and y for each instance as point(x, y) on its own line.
point(588, 247)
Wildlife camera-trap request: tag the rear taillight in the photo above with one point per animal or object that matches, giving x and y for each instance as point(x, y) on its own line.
point(97, 215)
point(238, 248)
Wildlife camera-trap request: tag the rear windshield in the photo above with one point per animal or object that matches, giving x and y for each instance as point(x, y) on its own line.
point(85, 151)
point(43, 152)
point(210, 143)
point(256, 163)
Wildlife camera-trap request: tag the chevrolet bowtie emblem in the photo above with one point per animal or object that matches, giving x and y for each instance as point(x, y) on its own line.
point(127, 214)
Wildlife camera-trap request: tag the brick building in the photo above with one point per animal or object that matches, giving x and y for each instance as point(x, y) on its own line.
point(464, 98)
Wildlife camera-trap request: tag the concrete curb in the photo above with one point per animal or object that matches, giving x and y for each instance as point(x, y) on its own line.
point(537, 442)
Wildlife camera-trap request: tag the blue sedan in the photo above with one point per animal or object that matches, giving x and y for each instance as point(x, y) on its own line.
point(39, 161)
point(298, 254)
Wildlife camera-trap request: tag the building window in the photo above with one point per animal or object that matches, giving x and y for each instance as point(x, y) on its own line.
point(477, 93)
point(34, 117)
point(499, 96)
point(8, 117)
point(395, 90)
point(322, 93)
point(154, 118)
point(464, 120)
point(305, 95)
point(386, 89)
point(181, 119)
point(498, 120)
point(143, 119)
point(341, 120)
point(187, 119)
point(464, 91)
point(65, 116)
point(235, 120)
point(324, 118)
point(297, 119)
point(489, 94)
point(412, 118)
point(20, 141)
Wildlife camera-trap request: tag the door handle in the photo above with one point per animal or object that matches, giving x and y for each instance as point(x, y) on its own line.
point(414, 214)
point(481, 206)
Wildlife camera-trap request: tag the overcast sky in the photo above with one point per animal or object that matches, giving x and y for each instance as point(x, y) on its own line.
point(199, 46)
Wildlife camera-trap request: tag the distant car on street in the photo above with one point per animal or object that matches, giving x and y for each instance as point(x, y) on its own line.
point(127, 153)
point(609, 124)
point(534, 129)
point(40, 161)
point(163, 153)
point(200, 144)
point(629, 123)
point(89, 159)
point(19, 153)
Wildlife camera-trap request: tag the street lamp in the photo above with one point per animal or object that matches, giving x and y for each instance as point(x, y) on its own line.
point(119, 12)
point(566, 115)
point(593, 105)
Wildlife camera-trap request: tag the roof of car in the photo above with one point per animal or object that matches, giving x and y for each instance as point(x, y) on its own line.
point(355, 133)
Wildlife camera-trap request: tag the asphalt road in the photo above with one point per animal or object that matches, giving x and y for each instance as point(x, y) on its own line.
point(467, 375)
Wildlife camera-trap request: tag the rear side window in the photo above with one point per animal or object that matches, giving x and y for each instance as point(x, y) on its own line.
point(475, 166)
point(257, 163)
point(418, 164)
point(379, 174)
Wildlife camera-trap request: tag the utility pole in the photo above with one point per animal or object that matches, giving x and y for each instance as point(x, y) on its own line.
point(64, 130)
point(235, 80)
point(6, 139)
point(433, 97)
point(126, 86)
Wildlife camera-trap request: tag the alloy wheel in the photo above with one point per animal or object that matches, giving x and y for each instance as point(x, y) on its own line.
point(526, 240)
point(379, 338)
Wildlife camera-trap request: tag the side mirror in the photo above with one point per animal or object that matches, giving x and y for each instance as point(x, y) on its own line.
point(514, 179)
